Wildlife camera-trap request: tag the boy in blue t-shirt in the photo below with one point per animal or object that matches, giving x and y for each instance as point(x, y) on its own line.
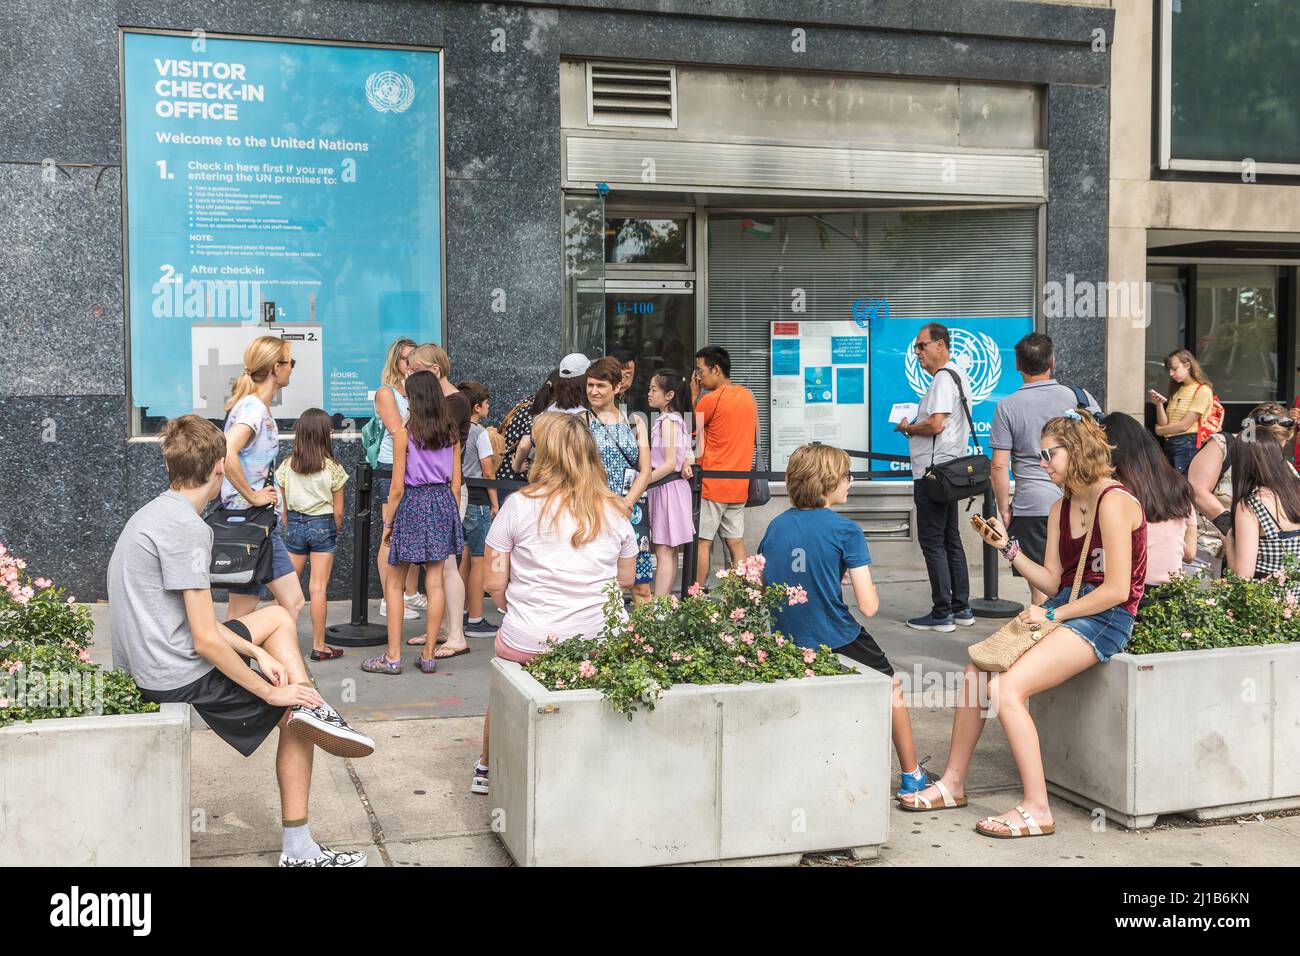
point(813, 546)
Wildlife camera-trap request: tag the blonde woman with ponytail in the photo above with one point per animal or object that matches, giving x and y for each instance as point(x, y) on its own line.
point(252, 443)
point(552, 549)
point(1093, 627)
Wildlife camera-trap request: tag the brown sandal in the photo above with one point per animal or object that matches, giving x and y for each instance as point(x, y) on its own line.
point(949, 802)
point(1014, 831)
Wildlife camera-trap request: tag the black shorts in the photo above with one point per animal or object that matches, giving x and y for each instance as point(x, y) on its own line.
point(1031, 532)
point(865, 650)
point(238, 717)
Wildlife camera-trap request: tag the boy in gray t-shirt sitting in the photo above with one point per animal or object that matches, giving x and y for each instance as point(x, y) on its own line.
point(166, 635)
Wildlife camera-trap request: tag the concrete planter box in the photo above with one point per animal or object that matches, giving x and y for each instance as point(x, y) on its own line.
point(97, 791)
point(1206, 734)
point(714, 773)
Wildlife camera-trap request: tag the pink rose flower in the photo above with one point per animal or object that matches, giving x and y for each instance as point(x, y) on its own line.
point(728, 639)
point(83, 655)
point(754, 595)
point(559, 684)
point(43, 583)
point(747, 637)
point(676, 655)
point(762, 655)
point(1210, 602)
point(22, 565)
point(808, 673)
point(647, 648)
point(737, 614)
point(740, 658)
point(780, 641)
point(798, 595)
point(809, 655)
point(587, 669)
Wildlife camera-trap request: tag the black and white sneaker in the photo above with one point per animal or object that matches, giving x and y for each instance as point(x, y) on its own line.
point(480, 784)
point(328, 857)
point(331, 733)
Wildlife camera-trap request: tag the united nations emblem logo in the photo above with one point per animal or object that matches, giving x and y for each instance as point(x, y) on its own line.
point(390, 92)
point(975, 353)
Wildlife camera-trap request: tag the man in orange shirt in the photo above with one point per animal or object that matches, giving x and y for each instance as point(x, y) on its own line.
point(726, 427)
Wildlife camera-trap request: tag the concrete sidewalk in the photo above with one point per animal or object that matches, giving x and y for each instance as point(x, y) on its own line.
point(409, 803)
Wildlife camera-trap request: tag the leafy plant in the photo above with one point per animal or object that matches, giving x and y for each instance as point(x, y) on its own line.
point(724, 637)
point(1192, 614)
point(45, 666)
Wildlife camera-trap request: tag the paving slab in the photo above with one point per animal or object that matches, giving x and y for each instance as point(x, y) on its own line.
point(235, 802)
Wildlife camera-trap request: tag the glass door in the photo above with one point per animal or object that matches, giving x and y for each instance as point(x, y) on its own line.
point(654, 319)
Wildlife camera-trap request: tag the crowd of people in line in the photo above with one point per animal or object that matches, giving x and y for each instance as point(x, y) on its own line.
point(573, 515)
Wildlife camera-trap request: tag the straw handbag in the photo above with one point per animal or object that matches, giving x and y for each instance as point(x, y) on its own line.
point(1000, 650)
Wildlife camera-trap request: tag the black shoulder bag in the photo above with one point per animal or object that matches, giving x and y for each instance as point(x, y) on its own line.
point(241, 544)
point(961, 478)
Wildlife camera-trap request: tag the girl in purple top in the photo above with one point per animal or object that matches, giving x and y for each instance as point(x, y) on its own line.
point(670, 504)
point(421, 517)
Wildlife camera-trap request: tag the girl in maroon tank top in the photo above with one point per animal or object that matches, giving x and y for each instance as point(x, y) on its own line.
point(1094, 626)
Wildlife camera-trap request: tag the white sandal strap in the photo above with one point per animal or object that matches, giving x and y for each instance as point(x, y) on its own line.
point(1034, 828)
point(920, 799)
point(944, 792)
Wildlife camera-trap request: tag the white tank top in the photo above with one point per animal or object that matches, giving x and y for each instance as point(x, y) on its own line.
point(386, 446)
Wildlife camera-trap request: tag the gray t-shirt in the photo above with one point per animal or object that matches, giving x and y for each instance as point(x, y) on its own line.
point(1018, 428)
point(941, 397)
point(165, 548)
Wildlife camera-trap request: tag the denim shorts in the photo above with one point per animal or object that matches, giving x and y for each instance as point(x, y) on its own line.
point(478, 519)
point(1107, 632)
point(280, 566)
point(307, 533)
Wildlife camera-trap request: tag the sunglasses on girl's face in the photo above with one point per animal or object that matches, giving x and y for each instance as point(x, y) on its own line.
point(292, 363)
point(1046, 454)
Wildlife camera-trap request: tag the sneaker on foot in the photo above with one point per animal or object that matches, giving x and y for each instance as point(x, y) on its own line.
point(480, 784)
point(481, 628)
point(965, 617)
point(408, 614)
point(417, 601)
point(931, 623)
point(913, 782)
point(328, 857)
point(331, 733)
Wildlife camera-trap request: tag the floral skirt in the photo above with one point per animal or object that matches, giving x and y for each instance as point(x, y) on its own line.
point(427, 526)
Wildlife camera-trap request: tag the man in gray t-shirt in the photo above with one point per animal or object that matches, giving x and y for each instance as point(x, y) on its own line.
point(166, 636)
point(164, 549)
point(939, 434)
point(1016, 440)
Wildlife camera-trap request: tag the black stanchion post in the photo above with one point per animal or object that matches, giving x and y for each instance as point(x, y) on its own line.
point(991, 605)
point(692, 548)
point(359, 632)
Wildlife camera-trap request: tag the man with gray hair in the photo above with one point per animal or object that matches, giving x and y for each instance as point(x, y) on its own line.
point(939, 435)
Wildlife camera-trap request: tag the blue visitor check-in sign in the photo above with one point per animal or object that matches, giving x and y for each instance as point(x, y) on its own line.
point(984, 346)
point(278, 188)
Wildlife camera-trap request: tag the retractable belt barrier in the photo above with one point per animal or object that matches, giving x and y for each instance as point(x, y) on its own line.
point(359, 632)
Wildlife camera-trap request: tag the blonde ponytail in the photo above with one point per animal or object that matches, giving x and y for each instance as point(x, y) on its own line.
point(259, 362)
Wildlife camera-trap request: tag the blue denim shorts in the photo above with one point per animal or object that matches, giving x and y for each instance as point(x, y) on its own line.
point(307, 533)
point(478, 519)
point(1107, 632)
point(280, 566)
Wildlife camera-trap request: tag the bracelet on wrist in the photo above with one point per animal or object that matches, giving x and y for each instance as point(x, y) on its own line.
point(1012, 549)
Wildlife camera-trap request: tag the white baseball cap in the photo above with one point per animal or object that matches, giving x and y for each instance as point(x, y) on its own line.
point(573, 365)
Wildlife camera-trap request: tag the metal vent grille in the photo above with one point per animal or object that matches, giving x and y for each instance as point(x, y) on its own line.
point(624, 94)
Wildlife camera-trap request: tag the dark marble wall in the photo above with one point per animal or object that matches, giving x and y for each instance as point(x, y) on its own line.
point(69, 477)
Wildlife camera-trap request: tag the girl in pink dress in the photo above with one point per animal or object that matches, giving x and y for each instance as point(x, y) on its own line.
point(670, 453)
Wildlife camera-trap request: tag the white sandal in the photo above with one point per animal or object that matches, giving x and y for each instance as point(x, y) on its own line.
point(923, 803)
point(1014, 830)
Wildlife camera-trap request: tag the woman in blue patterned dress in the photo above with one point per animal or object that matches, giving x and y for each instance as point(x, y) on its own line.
point(624, 449)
